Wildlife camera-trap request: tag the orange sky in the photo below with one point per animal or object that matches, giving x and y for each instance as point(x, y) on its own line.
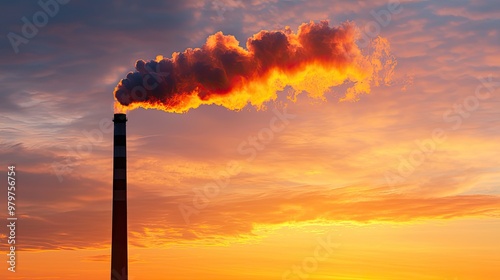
point(401, 184)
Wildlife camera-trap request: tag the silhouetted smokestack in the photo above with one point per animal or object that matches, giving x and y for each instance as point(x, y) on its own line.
point(119, 251)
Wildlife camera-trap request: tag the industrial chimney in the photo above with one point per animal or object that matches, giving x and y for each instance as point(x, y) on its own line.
point(119, 250)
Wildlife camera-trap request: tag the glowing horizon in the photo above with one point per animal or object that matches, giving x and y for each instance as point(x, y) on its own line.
point(403, 183)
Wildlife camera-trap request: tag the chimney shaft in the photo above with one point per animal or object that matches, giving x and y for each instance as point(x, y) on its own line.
point(119, 245)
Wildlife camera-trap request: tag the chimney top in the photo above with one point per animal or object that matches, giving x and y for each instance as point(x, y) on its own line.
point(120, 118)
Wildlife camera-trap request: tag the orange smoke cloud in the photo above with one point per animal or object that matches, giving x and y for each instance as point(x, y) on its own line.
point(221, 72)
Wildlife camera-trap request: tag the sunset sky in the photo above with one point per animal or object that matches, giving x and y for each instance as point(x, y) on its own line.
point(400, 182)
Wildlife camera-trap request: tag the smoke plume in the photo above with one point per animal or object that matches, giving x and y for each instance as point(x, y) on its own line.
point(222, 72)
